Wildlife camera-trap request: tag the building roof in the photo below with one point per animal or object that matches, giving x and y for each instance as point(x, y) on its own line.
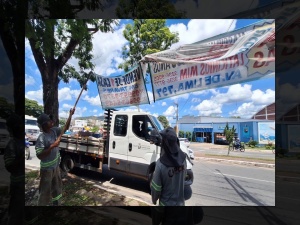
point(267, 113)
point(207, 119)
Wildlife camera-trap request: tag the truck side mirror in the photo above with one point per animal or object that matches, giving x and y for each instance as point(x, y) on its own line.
point(155, 137)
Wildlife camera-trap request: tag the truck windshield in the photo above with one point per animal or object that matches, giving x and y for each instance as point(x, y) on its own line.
point(30, 122)
point(157, 123)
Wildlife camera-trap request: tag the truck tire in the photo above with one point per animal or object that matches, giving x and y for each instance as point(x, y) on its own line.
point(67, 163)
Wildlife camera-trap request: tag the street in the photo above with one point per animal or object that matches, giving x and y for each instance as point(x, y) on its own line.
point(215, 184)
point(208, 148)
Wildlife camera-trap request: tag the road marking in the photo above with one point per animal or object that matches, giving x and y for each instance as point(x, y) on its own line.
point(244, 177)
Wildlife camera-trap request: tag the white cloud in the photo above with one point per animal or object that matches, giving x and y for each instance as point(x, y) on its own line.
point(238, 93)
point(66, 93)
point(93, 100)
point(263, 98)
point(171, 111)
point(208, 107)
point(67, 106)
point(196, 100)
point(78, 112)
point(107, 48)
point(29, 80)
point(200, 29)
point(246, 110)
point(163, 104)
point(235, 93)
point(36, 95)
point(183, 96)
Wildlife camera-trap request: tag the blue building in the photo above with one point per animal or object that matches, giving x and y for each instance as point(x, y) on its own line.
point(261, 127)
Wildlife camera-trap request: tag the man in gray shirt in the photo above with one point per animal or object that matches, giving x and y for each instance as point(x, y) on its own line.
point(167, 183)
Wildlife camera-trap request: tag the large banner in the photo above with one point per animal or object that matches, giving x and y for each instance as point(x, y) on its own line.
point(125, 90)
point(234, 57)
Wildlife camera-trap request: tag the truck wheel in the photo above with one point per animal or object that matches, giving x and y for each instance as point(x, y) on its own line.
point(67, 163)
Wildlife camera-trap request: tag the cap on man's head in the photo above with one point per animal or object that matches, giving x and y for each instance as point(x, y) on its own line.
point(43, 118)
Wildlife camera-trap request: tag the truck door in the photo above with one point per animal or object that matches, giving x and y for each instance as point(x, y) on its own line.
point(140, 152)
point(118, 143)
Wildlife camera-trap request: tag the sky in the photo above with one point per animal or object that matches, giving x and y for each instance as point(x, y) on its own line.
point(242, 100)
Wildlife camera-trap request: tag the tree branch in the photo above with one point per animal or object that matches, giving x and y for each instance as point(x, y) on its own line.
point(66, 55)
point(38, 55)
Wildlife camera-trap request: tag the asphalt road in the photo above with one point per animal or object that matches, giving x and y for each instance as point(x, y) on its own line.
point(215, 184)
point(206, 148)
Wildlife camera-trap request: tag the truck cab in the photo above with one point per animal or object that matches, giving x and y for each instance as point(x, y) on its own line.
point(130, 147)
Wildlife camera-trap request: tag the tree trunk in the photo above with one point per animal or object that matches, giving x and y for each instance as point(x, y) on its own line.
point(50, 94)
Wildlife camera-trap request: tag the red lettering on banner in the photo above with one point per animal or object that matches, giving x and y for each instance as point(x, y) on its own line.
point(261, 60)
point(188, 72)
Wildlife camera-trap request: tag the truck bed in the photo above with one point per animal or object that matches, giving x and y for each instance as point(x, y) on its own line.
point(88, 145)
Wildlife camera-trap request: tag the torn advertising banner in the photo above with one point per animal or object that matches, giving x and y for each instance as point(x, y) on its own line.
point(235, 57)
point(124, 90)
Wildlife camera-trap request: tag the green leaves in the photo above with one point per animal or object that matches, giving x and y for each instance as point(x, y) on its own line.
point(32, 108)
point(145, 36)
point(163, 121)
point(53, 42)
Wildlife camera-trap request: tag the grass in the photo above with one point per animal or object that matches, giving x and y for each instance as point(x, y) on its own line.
point(76, 192)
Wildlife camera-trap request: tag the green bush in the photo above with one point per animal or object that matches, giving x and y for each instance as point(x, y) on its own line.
point(252, 144)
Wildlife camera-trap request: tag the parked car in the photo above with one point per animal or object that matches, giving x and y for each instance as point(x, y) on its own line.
point(221, 141)
point(185, 141)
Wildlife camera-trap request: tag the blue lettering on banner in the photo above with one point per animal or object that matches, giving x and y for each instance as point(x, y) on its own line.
point(195, 84)
point(103, 82)
point(251, 41)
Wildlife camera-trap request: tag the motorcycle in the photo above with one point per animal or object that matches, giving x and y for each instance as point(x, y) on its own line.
point(238, 147)
point(27, 149)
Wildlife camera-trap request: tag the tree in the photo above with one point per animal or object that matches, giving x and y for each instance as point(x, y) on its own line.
point(145, 36)
point(53, 43)
point(163, 121)
point(148, 9)
point(188, 135)
point(229, 134)
point(181, 134)
point(32, 108)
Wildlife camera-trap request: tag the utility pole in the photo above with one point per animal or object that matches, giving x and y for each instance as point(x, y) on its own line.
point(177, 129)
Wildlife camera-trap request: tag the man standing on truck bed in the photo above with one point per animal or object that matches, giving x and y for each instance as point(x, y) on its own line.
point(47, 151)
point(167, 184)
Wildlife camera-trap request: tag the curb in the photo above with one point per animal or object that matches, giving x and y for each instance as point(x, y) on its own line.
point(239, 162)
